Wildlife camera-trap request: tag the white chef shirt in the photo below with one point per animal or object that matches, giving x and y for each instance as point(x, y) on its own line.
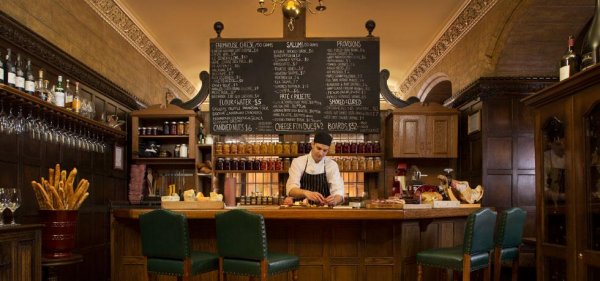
point(336, 183)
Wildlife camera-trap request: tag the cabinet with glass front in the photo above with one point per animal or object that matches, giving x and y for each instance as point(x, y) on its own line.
point(567, 140)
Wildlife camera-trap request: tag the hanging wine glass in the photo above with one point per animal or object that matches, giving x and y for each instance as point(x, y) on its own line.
point(14, 202)
point(3, 204)
point(3, 117)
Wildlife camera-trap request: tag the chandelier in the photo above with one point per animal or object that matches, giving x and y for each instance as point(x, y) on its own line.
point(291, 9)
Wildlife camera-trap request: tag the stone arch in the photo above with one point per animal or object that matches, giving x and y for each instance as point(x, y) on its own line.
point(437, 88)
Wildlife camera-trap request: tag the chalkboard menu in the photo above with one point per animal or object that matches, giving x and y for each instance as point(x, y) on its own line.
point(285, 87)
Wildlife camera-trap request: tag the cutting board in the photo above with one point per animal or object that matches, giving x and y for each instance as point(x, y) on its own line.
point(191, 205)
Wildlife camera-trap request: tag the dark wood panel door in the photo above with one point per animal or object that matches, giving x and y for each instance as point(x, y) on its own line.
point(409, 135)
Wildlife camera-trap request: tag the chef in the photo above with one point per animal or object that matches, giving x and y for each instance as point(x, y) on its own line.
point(316, 177)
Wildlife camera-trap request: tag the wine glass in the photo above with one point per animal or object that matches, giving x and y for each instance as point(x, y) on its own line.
point(3, 203)
point(14, 202)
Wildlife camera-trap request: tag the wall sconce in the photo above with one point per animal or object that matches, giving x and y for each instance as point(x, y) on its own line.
point(291, 9)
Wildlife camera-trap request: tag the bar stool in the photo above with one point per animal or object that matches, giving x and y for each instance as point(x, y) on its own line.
point(508, 239)
point(473, 255)
point(242, 247)
point(49, 265)
point(166, 245)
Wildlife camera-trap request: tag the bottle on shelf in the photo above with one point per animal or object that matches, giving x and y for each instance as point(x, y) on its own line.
point(20, 74)
point(68, 96)
point(201, 134)
point(40, 91)
point(2, 81)
point(49, 92)
point(569, 64)
point(11, 72)
point(76, 103)
point(591, 44)
point(29, 79)
point(59, 93)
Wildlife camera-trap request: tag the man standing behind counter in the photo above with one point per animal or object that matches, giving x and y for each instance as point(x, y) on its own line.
point(316, 177)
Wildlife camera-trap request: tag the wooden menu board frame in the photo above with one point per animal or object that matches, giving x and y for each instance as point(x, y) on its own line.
point(289, 86)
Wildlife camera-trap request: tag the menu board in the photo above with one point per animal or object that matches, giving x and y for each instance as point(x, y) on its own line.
point(286, 87)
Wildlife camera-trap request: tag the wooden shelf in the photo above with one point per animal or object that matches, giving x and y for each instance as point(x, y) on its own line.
point(164, 160)
point(281, 171)
point(204, 146)
point(164, 137)
point(23, 98)
point(296, 155)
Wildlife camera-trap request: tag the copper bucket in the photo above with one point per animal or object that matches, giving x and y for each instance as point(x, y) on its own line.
point(58, 233)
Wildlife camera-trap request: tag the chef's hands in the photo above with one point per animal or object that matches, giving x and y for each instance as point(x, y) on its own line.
point(314, 196)
point(333, 200)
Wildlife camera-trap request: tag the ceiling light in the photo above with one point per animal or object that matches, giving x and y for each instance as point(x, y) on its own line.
point(291, 9)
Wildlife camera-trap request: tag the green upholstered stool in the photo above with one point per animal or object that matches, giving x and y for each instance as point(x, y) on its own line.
point(473, 255)
point(507, 241)
point(242, 247)
point(166, 245)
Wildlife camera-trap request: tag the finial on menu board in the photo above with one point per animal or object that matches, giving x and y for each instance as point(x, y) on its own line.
point(218, 28)
point(370, 26)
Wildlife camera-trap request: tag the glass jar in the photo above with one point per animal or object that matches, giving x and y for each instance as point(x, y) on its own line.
point(360, 148)
point(248, 165)
point(307, 147)
point(377, 164)
point(362, 164)
point(278, 148)
point(370, 165)
point(278, 164)
point(263, 148)
point(173, 129)
point(256, 164)
point(286, 163)
point(220, 162)
point(233, 148)
point(241, 147)
point(353, 147)
point(339, 147)
point(166, 128)
point(331, 149)
point(226, 148)
point(183, 151)
point(242, 164)
point(219, 148)
point(186, 128)
point(154, 131)
point(301, 148)
point(227, 164)
point(235, 164)
point(271, 164)
point(286, 148)
point(256, 148)
point(346, 148)
point(294, 148)
point(181, 128)
point(176, 152)
point(249, 148)
point(376, 147)
point(347, 164)
point(264, 164)
point(271, 148)
point(369, 147)
point(340, 162)
point(354, 164)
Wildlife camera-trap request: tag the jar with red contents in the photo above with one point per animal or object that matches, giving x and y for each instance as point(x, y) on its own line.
point(278, 164)
point(264, 164)
point(346, 148)
point(353, 147)
point(256, 164)
point(270, 164)
point(376, 147)
point(339, 147)
point(360, 148)
point(369, 147)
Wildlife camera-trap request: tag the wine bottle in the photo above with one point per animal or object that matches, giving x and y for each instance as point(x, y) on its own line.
point(569, 64)
point(40, 91)
point(68, 96)
point(59, 93)
point(2, 81)
point(590, 50)
point(76, 104)
point(29, 79)
point(20, 75)
point(11, 74)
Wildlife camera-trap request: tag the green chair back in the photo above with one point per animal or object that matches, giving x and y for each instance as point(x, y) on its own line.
point(509, 232)
point(479, 232)
point(164, 235)
point(241, 235)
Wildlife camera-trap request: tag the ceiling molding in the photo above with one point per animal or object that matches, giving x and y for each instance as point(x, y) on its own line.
point(127, 27)
point(470, 15)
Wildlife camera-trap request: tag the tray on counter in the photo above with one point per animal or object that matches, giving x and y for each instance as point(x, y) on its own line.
point(192, 205)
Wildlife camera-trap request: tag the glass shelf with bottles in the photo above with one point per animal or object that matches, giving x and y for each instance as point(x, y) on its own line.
point(294, 149)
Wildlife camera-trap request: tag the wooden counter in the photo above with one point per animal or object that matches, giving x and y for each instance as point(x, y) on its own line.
point(333, 244)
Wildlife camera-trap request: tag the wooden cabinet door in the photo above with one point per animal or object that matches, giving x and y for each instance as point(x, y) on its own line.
point(442, 136)
point(409, 135)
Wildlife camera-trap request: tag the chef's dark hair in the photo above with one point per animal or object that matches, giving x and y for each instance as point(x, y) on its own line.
point(323, 137)
point(554, 129)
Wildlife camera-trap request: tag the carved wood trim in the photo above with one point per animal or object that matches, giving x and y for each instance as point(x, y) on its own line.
point(38, 47)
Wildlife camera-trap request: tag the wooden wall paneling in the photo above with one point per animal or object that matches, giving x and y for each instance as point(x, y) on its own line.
point(498, 115)
point(499, 156)
point(525, 153)
point(344, 239)
point(498, 191)
point(379, 239)
point(27, 211)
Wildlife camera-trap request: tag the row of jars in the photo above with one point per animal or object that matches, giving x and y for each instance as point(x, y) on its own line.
point(169, 128)
point(258, 199)
point(256, 164)
point(283, 164)
point(294, 148)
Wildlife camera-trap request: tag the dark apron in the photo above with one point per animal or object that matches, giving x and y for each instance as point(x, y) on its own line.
point(316, 183)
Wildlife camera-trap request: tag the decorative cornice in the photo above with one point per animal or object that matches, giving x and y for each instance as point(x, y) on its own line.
point(470, 15)
point(116, 17)
point(42, 50)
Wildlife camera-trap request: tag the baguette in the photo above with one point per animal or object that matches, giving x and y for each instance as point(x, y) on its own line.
point(42, 197)
point(81, 189)
point(57, 202)
point(50, 175)
point(78, 204)
point(56, 176)
point(59, 192)
point(69, 185)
